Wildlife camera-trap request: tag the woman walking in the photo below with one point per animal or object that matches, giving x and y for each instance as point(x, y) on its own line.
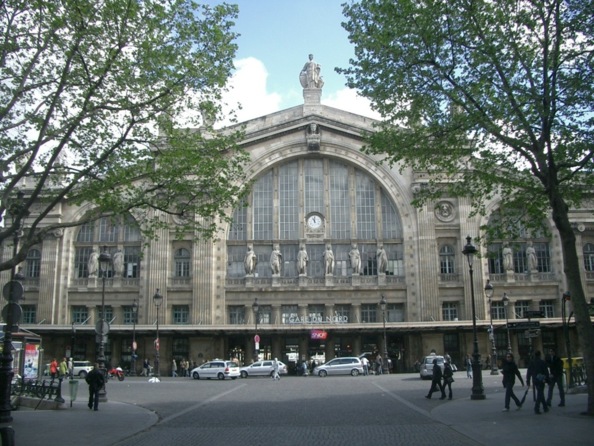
point(510, 371)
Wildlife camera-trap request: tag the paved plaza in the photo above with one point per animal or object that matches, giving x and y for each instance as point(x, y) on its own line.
point(389, 409)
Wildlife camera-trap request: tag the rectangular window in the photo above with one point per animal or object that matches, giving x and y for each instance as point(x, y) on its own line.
point(238, 229)
point(498, 310)
point(369, 313)
point(365, 202)
point(313, 190)
point(29, 314)
point(265, 314)
point(316, 312)
point(521, 307)
point(80, 314)
point(395, 313)
point(495, 258)
point(132, 262)
point(236, 314)
point(129, 315)
point(262, 208)
point(181, 314)
point(288, 313)
point(449, 311)
point(108, 313)
point(81, 261)
point(343, 312)
point(181, 348)
point(340, 202)
point(547, 307)
point(108, 230)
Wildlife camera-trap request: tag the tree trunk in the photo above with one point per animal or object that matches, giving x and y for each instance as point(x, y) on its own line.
point(580, 307)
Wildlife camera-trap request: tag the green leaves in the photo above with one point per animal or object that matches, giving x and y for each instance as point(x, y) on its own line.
point(92, 99)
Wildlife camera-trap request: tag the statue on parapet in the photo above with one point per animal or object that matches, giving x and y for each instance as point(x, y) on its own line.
point(310, 74)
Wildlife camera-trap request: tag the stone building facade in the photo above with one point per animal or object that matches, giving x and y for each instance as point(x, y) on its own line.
point(315, 193)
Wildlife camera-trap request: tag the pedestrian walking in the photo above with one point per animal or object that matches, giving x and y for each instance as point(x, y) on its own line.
point(63, 369)
point(538, 374)
point(146, 365)
point(555, 377)
point(365, 363)
point(54, 369)
point(436, 381)
point(448, 378)
point(379, 362)
point(468, 367)
point(96, 381)
point(510, 370)
point(174, 369)
point(71, 368)
point(275, 366)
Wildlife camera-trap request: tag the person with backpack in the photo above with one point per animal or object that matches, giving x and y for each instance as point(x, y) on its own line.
point(448, 378)
point(96, 381)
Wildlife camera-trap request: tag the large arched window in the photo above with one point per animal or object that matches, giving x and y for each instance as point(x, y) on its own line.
point(354, 208)
point(114, 234)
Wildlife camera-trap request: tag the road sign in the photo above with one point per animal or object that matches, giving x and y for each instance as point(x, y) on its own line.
point(257, 339)
point(523, 325)
point(533, 313)
point(13, 291)
point(102, 327)
point(532, 333)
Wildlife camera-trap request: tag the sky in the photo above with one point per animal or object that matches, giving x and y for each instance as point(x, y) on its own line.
point(276, 37)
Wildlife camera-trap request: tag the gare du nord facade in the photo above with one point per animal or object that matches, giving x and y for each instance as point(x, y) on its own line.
point(314, 191)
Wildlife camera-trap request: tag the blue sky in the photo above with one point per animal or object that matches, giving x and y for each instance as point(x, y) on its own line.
point(276, 37)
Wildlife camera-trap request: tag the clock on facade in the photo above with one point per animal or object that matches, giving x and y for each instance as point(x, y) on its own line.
point(314, 221)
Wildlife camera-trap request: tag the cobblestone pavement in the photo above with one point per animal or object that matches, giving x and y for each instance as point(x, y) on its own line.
point(389, 409)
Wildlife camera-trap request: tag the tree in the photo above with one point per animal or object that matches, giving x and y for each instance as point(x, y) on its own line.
point(490, 97)
point(94, 99)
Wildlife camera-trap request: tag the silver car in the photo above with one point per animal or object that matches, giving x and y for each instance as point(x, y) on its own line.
point(426, 371)
point(349, 365)
point(262, 368)
point(218, 369)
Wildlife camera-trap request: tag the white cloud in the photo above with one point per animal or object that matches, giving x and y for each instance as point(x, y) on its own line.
point(348, 100)
point(248, 88)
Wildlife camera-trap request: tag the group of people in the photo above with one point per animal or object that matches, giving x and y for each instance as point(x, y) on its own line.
point(442, 379)
point(184, 368)
point(540, 373)
point(61, 370)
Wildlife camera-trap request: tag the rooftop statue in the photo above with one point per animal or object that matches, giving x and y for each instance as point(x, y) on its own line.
point(310, 74)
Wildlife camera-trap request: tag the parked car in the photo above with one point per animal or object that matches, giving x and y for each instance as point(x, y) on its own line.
point(218, 369)
point(426, 368)
point(262, 368)
point(348, 365)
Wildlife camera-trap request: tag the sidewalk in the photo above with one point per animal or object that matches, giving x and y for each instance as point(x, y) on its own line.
point(78, 425)
point(485, 422)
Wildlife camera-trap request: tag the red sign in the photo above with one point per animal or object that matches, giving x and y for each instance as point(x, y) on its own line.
point(257, 339)
point(319, 335)
point(157, 344)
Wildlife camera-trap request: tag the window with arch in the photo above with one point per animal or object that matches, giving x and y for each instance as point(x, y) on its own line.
point(589, 257)
point(33, 264)
point(113, 234)
point(182, 262)
point(354, 206)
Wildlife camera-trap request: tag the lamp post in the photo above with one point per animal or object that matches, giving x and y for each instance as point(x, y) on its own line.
point(73, 342)
point(157, 300)
point(386, 367)
point(102, 327)
point(134, 320)
point(564, 298)
point(478, 391)
point(489, 293)
point(256, 310)
point(505, 304)
point(12, 312)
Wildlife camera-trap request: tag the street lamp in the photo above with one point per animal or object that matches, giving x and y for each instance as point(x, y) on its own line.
point(73, 342)
point(564, 298)
point(12, 312)
point(134, 320)
point(102, 327)
point(478, 391)
point(382, 304)
point(157, 300)
point(256, 310)
point(489, 293)
point(505, 304)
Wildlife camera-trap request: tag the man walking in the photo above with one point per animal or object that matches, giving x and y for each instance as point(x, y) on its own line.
point(436, 381)
point(539, 374)
point(510, 371)
point(275, 366)
point(556, 377)
point(96, 381)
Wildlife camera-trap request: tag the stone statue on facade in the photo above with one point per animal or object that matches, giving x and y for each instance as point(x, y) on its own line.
point(508, 259)
point(302, 261)
point(310, 74)
point(355, 258)
point(531, 258)
point(276, 259)
point(93, 264)
point(118, 263)
point(329, 260)
point(382, 260)
point(250, 261)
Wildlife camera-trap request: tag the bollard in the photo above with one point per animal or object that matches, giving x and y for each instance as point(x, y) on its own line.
point(59, 398)
point(73, 390)
point(7, 436)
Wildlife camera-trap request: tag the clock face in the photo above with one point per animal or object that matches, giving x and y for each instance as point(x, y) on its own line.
point(314, 221)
